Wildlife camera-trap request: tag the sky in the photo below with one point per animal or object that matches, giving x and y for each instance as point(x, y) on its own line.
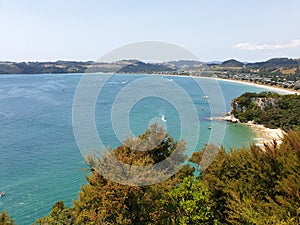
point(214, 30)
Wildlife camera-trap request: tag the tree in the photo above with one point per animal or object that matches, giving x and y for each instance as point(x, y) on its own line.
point(255, 186)
point(59, 215)
point(242, 186)
point(189, 203)
point(103, 201)
point(5, 219)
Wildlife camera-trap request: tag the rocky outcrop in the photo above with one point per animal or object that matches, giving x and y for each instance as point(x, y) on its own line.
point(236, 106)
point(227, 117)
point(262, 103)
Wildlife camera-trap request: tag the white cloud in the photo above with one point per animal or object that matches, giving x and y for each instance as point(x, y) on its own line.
point(249, 46)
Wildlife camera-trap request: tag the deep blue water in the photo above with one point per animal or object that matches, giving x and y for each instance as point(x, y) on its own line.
point(40, 162)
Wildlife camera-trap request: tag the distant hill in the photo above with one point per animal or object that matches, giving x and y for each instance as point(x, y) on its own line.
point(275, 62)
point(141, 67)
point(278, 65)
point(232, 63)
point(213, 62)
point(123, 66)
point(9, 68)
point(183, 63)
point(43, 67)
point(61, 67)
point(189, 65)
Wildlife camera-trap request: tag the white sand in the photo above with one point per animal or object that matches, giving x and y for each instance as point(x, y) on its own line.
point(272, 88)
point(266, 135)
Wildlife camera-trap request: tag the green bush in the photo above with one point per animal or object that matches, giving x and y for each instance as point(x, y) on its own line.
point(5, 219)
point(243, 186)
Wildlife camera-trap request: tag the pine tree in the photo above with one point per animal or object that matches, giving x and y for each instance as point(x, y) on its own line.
point(5, 219)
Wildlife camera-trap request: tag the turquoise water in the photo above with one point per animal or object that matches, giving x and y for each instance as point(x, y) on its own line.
point(40, 162)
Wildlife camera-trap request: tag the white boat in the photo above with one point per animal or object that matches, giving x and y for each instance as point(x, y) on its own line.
point(163, 118)
point(2, 194)
point(205, 96)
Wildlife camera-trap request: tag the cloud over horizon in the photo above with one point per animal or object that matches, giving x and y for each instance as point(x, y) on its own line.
point(254, 46)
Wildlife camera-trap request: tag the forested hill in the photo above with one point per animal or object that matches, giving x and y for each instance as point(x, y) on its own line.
point(274, 66)
point(123, 66)
point(268, 108)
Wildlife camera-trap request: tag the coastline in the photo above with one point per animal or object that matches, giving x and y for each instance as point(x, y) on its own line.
point(266, 135)
point(273, 88)
point(263, 135)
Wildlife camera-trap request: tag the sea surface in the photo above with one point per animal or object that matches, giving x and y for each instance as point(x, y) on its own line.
point(40, 162)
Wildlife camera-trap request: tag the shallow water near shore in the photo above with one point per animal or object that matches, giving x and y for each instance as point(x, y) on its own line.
point(39, 159)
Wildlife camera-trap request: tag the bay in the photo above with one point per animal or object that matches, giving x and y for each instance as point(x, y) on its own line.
point(40, 162)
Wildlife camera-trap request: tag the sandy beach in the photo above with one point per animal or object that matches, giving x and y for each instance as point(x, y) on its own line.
point(271, 88)
point(266, 135)
point(277, 89)
point(263, 134)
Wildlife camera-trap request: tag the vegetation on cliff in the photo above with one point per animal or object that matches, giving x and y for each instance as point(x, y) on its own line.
point(270, 109)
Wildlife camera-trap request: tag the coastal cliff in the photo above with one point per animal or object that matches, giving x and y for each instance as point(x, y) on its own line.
point(269, 109)
point(270, 115)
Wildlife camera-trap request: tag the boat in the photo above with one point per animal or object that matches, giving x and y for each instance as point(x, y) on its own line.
point(209, 128)
point(163, 118)
point(205, 96)
point(2, 194)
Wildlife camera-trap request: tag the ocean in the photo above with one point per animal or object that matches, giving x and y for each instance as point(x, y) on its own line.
point(40, 161)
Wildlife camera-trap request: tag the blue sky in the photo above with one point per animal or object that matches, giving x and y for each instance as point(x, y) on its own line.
point(42, 30)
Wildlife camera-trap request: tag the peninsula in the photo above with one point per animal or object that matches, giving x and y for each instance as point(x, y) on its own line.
point(270, 114)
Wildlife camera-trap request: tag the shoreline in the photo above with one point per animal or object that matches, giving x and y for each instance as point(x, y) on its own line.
point(266, 135)
point(263, 135)
point(274, 88)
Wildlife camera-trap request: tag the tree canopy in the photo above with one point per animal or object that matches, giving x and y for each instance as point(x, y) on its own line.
point(5, 219)
point(243, 186)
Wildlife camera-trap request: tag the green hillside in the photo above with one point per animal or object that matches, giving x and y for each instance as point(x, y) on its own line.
point(267, 108)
